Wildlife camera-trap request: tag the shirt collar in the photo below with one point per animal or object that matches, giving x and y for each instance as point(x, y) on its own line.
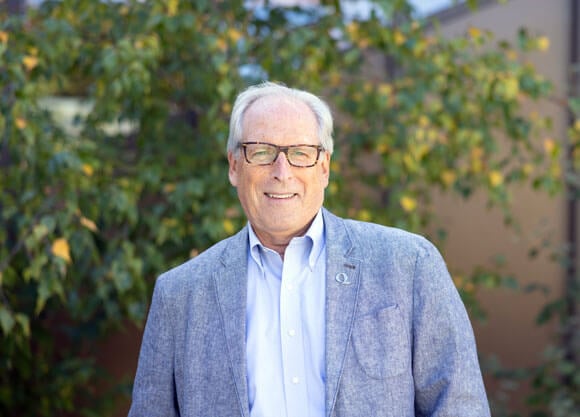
point(315, 234)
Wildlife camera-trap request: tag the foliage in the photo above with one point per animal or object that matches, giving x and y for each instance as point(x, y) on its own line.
point(92, 211)
point(556, 382)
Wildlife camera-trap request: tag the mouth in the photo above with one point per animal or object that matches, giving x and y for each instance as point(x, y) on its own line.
point(280, 196)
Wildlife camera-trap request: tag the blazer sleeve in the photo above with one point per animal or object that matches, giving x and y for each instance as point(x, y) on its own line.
point(154, 393)
point(447, 376)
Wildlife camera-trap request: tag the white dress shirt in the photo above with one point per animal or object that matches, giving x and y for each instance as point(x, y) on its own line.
point(286, 326)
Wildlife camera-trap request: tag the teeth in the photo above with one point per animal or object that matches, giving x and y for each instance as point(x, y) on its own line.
point(280, 196)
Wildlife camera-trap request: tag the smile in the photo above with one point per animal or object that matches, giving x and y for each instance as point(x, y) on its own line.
point(280, 196)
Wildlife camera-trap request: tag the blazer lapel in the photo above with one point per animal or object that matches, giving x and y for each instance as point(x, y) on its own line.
point(342, 285)
point(230, 281)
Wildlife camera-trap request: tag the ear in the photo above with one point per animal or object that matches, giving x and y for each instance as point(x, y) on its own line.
point(233, 169)
point(325, 167)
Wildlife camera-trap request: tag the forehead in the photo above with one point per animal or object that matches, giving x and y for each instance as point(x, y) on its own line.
point(279, 118)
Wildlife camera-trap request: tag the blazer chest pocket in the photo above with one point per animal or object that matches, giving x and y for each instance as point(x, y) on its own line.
point(381, 344)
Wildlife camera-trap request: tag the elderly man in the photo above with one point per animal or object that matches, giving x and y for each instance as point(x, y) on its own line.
point(303, 313)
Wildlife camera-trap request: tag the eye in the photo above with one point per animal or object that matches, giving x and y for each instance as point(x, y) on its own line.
point(302, 152)
point(260, 152)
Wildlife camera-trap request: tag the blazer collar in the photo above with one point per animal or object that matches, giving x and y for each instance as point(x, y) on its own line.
point(230, 280)
point(342, 287)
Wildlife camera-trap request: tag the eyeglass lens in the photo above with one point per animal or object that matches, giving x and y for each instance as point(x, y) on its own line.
point(265, 153)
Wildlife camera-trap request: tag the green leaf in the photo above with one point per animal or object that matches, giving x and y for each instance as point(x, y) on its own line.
point(574, 103)
point(6, 320)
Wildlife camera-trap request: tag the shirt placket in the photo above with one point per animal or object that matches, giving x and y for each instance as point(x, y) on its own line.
point(292, 335)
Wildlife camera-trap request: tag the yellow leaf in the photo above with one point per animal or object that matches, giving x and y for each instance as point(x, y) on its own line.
point(332, 188)
point(169, 188)
point(88, 170)
point(221, 44)
point(420, 135)
point(3, 37)
point(476, 159)
point(458, 280)
point(543, 43)
point(474, 32)
point(448, 177)
point(228, 226)
point(432, 135)
point(408, 203)
point(385, 89)
point(30, 62)
point(511, 55)
point(549, 146)
point(509, 87)
point(20, 123)
point(363, 43)
point(352, 29)
point(409, 162)
point(335, 79)
point(423, 121)
point(495, 178)
point(169, 222)
point(234, 34)
point(419, 47)
point(421, 150)
point(399, 38)
point(61, 249)
point(364, 215)
point(382, 148)
point(223, 68)
point(89, 224)
point(477, 152)
point(172, 6)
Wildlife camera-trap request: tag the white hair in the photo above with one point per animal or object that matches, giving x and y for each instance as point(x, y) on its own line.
point(246, 98)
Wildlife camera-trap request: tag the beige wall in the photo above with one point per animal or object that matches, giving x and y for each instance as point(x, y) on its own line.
point(478, 234)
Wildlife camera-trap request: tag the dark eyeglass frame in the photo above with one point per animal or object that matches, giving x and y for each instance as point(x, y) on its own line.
point(283, 149)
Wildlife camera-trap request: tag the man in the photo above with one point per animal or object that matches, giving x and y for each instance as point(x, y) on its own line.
point(303, 313)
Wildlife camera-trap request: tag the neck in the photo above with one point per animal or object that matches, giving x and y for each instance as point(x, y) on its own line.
point(278, 243)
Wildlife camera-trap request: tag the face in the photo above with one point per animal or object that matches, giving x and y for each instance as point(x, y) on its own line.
point(279, 200)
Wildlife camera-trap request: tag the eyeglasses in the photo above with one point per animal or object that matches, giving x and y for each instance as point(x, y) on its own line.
point(261, 153)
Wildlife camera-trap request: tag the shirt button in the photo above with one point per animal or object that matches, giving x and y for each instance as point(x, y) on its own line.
point(291, 332)
point(295, 380)
point(289, 287)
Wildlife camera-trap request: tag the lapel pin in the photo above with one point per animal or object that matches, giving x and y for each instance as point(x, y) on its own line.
point(342, 279)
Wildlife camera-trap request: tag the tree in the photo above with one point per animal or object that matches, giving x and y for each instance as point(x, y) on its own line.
point(91, 212)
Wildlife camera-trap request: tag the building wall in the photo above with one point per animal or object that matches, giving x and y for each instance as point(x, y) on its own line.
point(477, 234)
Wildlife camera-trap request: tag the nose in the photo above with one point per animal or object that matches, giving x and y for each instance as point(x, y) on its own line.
point(281, 168)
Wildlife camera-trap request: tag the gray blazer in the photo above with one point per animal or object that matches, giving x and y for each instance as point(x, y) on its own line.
point(398, 339)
